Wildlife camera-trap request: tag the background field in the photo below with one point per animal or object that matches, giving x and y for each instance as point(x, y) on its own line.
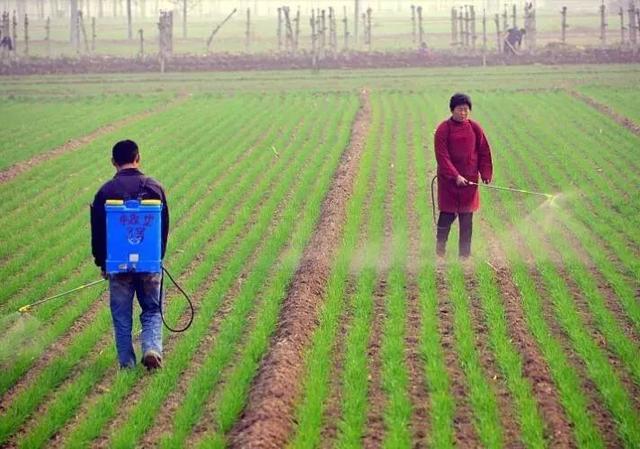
point(532, 344)
point(391, 29)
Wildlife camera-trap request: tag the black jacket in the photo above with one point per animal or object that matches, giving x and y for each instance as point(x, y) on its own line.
point(129, 183)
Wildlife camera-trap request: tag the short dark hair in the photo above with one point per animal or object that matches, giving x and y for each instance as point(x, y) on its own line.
point(459, 99)
point(125, 152)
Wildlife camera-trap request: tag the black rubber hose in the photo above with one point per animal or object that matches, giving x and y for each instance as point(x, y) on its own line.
point(188, 325)
point(433, 200)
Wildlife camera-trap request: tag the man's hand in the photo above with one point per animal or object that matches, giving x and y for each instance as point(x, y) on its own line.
point(461, 181)
point(104, 274)
point(486, 180)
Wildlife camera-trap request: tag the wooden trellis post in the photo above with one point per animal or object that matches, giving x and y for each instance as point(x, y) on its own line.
point(93, 35)
point(413, 24)
point(279, 29)
point(622, 27)
point(472, 17)
point(530, 25)
point(368, 22)
point(454, 27)
point(314, 37)
point(420, 27)
point(141, 34)
point(323, 32)
point(505, 19)
point(47, 36)
point(356, 18)
point(484, 31)
point(297, 31)
point(498, 36)
point(333, 38)
point(633, 28)
point(564, 24)
point(466, 26)
point(26, 35)
point(14, 33)
point(247, 41)
point(461, 27)
point(514, 16)
point(603, 24)
point(83, 30)
point(345, 22)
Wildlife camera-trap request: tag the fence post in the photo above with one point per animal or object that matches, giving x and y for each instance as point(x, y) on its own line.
point(454, 27)
point(26, 35)
point(420, 27)
point(141, 33)
point(47, 36)
point(499, 40)
point(564, 24)
point(93, 35)
point(413, 23)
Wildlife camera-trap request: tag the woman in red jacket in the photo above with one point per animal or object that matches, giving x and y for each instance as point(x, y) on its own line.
point(463, 155)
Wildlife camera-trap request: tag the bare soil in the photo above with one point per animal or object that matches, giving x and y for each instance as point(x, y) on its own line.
point(75, 144)
point(599, 413)
point(267, 419)
point(420, 423)
point(534, 366)
point(303, 60)
point(465, 432)
point(507, 413)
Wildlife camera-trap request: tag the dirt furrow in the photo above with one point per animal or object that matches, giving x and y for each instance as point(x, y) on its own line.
point(591, 327)
point(604, 288)
point(333, 406)
point(76, 143)
point(376, 397)
point(465, 432)
point(507, 413)
point(267, 419)
point(420, 425)
point(162, 423)
point(332, 410)
point(534, 366)
point(599, 412)
point(606, 110)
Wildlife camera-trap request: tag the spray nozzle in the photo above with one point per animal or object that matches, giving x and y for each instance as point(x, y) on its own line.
point(24, 309)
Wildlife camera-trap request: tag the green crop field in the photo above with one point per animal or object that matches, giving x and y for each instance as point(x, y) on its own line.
point(533, 343)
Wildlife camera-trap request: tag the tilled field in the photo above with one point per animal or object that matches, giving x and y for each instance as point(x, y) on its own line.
point(302, 225)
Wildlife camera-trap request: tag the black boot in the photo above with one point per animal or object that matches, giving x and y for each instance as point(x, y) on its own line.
point(444, 226)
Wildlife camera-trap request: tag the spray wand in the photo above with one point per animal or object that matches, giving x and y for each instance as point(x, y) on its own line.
point(490, 186)
point(25, 309)
point(509, 189)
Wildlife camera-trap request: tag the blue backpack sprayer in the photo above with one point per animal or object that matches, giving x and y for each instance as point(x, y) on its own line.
point(133, 246)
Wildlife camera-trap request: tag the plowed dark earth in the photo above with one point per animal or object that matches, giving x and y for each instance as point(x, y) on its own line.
point(267, 419)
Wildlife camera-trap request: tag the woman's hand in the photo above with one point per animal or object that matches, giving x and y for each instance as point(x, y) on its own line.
point(462, 181)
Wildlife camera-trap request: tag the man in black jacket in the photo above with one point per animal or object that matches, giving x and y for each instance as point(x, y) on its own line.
point(130, 183)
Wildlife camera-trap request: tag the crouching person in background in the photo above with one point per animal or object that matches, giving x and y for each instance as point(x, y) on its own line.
point(129, 183)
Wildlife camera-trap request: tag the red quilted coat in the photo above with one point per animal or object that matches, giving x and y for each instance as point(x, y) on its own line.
point(461, 149)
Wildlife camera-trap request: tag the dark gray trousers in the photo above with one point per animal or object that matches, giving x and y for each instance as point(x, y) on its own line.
point(445, 220)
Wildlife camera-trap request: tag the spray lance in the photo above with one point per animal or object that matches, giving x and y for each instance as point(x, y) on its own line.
point(27, 308)
point(489, 186)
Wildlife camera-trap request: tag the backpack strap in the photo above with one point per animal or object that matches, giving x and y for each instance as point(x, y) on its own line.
point(143, 185)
